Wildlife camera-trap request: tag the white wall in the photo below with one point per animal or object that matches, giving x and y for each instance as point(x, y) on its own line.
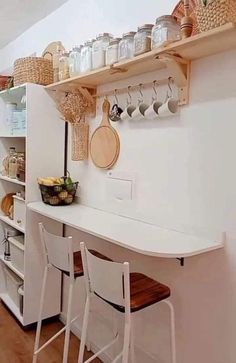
point(185, 179)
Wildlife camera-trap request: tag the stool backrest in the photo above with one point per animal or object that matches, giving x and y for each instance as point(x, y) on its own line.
point(58, 250)
point(109, 280)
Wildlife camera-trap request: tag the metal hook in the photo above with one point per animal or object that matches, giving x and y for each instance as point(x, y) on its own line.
point(141, 93)
point(170, 80)
point(154, 87)
point(129, 101)
point(116, 98)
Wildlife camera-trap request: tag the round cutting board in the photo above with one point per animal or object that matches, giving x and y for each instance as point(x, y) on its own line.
point(105, 143)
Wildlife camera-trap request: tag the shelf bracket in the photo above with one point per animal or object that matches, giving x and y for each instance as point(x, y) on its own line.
point(178, 69)
point(114, 70)
point(181, 261)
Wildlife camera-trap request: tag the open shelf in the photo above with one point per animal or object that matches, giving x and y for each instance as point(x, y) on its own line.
point(201, 45)
point(11, 267)
point(11, 306)
point(11, 223)
point(10, 180)
point(12, 136)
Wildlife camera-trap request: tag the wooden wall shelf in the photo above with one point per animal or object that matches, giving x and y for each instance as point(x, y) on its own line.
point(176, 57)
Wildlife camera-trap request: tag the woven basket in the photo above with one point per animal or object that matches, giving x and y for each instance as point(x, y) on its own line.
point(80, 135)
point(33, 70)
point(215, 14)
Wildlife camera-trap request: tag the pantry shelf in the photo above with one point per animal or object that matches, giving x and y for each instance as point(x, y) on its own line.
point(12, 306)
point(10, 180)
point(176, 57)
point(11, 223)
point(11, 267)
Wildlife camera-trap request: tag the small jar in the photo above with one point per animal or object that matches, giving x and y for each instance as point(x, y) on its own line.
point(142, 39)
point(55, 60)
point(112, 51)
point(165, 31)
point(5, 162)
point(12, 165)
point(64, 66)
point(126, 46)
point(99, 50)
point(86, 57)
point(20, 174)
point(74, 62)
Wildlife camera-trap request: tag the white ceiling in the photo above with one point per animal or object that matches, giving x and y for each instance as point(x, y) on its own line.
point(16, 16)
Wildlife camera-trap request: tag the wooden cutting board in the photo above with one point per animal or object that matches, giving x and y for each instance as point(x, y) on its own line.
point(105, 142)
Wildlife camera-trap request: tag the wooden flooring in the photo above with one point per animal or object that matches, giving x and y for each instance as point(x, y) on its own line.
point(16, 344)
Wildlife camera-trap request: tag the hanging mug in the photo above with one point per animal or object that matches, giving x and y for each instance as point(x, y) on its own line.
point(152, 111)
point(116, 111)
point(139, 112)
point(128, 111)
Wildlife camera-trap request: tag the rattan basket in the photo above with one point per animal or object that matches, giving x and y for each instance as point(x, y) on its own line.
point(216, 13)
point(33, 70)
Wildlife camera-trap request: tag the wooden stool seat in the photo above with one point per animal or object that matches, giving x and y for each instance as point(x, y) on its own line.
point(78, 265)
point(144, 292)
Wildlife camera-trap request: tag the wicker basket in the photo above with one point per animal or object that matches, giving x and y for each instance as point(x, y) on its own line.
point(215, 14)
point(33, 70)
point(80, 136)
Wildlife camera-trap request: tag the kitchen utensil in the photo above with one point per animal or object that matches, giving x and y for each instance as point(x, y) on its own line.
point(179, 13)
point(105, 143)
point(170, 106)
point(7, 203)
point(116, 111)
point(152, 111)
point(186, 22)
point(141, 108)
point(127, 113)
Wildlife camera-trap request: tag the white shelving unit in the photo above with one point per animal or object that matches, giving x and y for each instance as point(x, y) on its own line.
point(44, 133)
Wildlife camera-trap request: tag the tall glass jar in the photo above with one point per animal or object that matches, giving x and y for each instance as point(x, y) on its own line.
point(86, 57)
point(112, 51)
point(142, 39)
point(165, 31)
point(20, 174)
point(12, 165)
point(55, 60)
point(99, 50)
point(74, 61)
point(126, 46)
point(5, 162)
point(64, 67)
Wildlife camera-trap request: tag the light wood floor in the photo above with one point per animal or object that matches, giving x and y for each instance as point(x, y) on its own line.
point(16, 345)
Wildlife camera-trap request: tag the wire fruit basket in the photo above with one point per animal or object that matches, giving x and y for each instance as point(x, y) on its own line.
point(60, 194)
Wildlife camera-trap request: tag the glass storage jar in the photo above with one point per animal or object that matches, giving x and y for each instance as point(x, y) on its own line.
point(142, 39)
point(74, 62)
point(5, 162)
point(112, 51)
point(165, 31)
point(20, 174)
point(64, 66)
point(86, 57)
point(99, 50)
point(126, 46)
point(12, 165)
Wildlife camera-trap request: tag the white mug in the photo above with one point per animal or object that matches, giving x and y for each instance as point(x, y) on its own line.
point(139, 111)
point(153, 110)
point(169, 108)
point(127, 113)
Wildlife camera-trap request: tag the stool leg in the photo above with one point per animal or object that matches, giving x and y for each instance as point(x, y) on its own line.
point(125, 357)
point(68, 322)
point(172, 324)
point(84, 330)
point(39, 325)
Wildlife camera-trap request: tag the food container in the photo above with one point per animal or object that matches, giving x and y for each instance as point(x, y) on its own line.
point(126, 46)
point(64, 66)
point(142, 39)
point(63, 194)
point(86, 57)
point(17, 252)
point(10, 107)
point(13, 282)
point(19, 211)
point(74, 62)
point(99, 50)
point(112, 51)
point(20, 173)
point(165, 31)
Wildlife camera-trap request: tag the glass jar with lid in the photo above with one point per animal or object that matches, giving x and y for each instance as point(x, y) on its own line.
point(12, 171)
point(165, 31)
point(126, 46)
point(112, 51)
point(20, 173)
point(5, 162)
point(142, 39)
point(99, 50)
point(86, 57)
point(64, 66)
point(74, 61)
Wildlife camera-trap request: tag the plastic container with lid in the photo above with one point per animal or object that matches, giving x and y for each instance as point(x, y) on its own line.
point(112, 51)
point(165, 31)
point(126, 46)
point(74, 61)
point(86, 57)
point(64, 66)
point(99, 50)
point(142, 39)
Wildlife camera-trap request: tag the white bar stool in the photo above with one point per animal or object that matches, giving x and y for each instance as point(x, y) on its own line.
point(59, 253)
point(124, 291)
